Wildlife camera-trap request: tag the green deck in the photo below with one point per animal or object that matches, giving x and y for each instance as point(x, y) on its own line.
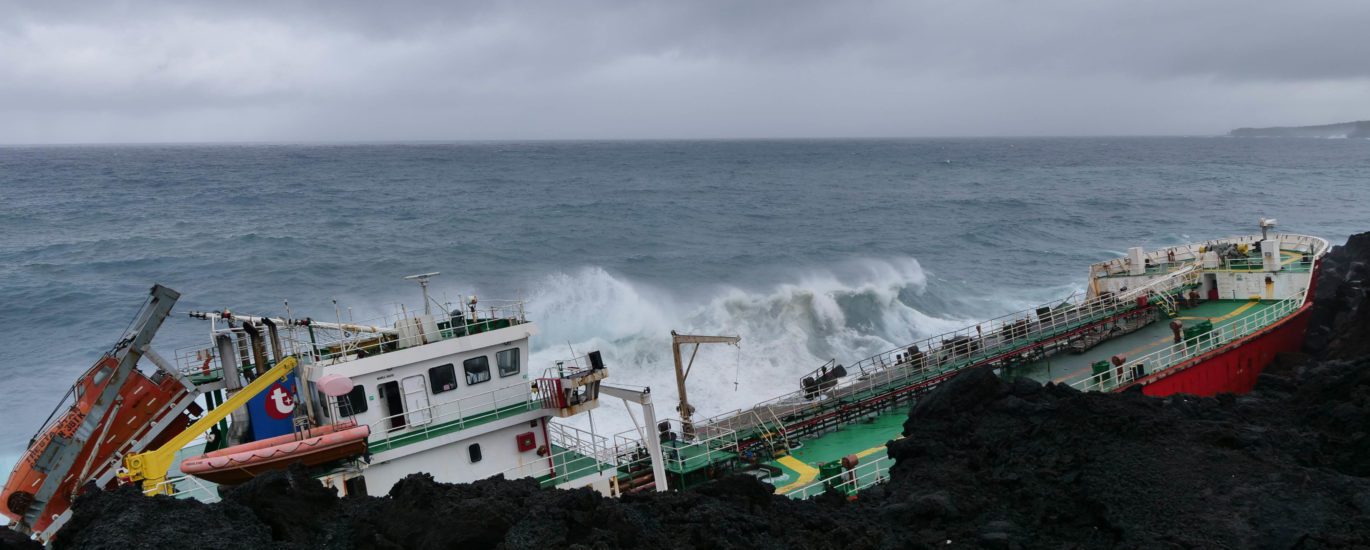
point(569, 465)
point(1068, 368)
point(868, 438)
point(865, 439)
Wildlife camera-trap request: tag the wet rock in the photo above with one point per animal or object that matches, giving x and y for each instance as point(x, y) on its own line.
point(1341, 311)
point(12, 540)
point(936, 505)
point(964, 393)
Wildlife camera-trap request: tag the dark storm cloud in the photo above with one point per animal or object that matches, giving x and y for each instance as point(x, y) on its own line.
point(374, 70)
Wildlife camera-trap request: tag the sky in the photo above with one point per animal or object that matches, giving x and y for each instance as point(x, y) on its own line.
point(343, 70)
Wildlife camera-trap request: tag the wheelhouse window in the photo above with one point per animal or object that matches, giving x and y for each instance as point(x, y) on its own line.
point(508, 361)
point(477, 370)
point(442, 378)
point(354, 403)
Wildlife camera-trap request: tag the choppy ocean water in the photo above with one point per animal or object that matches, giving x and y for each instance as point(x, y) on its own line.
point(809, 249)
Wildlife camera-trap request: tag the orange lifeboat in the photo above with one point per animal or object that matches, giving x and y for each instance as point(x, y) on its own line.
point(113, 409)
point(240, 463)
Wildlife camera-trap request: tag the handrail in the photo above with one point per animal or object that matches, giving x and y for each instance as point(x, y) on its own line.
point(1175, 355)
point(301, 336)
point(471, 409)
point(175, 486)
point(576, 444)
point(849, 481)
point(1315, 246)
point(968, 346)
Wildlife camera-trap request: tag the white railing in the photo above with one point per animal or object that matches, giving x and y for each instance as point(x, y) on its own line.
point(408, 329)
point(581, 453)
point(1177, 355)
point(461, 413)
point(957, 349)
point(318, 340)
point(583, 442)
point(849, 481)
point(710, 445)
point(1185, 275)
point(1189, 253)
point(186, 487)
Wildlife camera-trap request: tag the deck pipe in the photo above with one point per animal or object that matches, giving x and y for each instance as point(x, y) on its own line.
point(277, 354)
point(233, 383)
point(254, 336)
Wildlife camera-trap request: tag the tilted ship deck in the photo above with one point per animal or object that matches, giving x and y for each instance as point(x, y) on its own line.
point(446, 392)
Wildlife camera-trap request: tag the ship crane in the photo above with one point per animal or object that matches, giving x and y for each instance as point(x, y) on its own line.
point(681, 373)
point(151, 467)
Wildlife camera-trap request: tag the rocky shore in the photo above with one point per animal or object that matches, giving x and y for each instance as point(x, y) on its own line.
point(984, 463)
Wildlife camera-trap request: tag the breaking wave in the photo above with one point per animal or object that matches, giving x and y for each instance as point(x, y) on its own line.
point(788, 328)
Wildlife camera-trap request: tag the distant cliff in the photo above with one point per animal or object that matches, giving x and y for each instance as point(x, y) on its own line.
point(1359, 129)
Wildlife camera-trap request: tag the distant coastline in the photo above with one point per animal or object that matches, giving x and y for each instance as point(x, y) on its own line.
point(1358, 129)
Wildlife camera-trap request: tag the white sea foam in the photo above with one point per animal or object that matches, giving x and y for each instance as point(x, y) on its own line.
point(846, 313)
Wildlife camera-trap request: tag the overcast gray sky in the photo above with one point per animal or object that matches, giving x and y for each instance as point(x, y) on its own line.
point(138, 71)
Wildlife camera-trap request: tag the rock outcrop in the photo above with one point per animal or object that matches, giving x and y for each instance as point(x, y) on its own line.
point(1340, 323)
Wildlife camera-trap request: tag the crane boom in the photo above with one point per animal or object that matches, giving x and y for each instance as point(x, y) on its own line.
point(683, 371)
point(151, 467)
point(696, 339)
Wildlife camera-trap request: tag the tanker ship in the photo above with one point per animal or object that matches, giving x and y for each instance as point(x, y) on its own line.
point(444, 389)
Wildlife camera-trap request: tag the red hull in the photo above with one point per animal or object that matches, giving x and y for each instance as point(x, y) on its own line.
point(1235, 367)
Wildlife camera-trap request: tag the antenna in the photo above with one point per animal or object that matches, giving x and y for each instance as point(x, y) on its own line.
point(423, 278)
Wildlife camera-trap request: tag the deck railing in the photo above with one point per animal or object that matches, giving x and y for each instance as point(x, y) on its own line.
point(442, 326)
point(849, 481)
point(313, 342)
point(1177, 355)
point(186, 486)
point(573, 453)
point(1189, 253)
point(958, 349)
point(443, 418)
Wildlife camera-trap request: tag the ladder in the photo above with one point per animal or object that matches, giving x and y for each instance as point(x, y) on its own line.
point(1166, 303)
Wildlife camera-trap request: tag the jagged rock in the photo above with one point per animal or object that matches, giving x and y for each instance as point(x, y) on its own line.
point(1340, 320)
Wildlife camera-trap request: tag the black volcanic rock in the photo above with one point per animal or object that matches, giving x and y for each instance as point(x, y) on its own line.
point(1339, 326)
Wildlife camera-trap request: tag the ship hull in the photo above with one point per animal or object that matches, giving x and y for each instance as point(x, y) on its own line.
point(1234, 368)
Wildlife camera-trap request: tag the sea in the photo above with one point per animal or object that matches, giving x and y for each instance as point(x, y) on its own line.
point(810, 250)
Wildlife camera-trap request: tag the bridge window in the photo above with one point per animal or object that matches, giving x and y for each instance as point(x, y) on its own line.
point(353, 403)
point(477, 370)
point(442, 378)
point(508, 361)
